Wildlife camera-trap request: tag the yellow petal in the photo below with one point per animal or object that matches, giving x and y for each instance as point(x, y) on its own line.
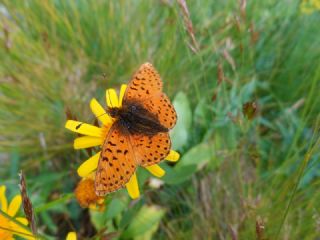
point(112, 98)
point(121, 94)
point(20, 231)
point(99, 112)
point(133, 187)
point(14, 205)
point(156, 170)
point(86, 142)
point(23, 220)
point(3, 199)
point(84, 128)
point(89, 165)
point(173, 156)
point(71, 236)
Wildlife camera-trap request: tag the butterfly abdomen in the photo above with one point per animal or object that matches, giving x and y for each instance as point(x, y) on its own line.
point(137, 120)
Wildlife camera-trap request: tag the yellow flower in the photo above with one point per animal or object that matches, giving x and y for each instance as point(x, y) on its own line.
point(8, 228)
point(86, 196)
point(95, 136)
point(71, 236)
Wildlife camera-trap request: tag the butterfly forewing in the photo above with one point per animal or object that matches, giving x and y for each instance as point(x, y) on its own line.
point(146, 87)
point(161, 106)
point(116, 164)
point(145, 83)
point(151, 149)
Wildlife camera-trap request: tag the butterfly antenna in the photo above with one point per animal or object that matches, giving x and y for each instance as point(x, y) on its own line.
point(101, 115)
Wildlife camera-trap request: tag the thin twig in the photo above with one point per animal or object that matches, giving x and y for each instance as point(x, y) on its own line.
point(194, 46)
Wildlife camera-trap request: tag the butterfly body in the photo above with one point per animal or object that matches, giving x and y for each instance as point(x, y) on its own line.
point(139, 135)
point(132, 118)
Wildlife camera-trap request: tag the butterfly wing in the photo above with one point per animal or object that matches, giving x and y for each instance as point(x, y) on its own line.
point(161, 106)
point(145, 83)
point(117, 162)
point(150, 150)
point(146, 87)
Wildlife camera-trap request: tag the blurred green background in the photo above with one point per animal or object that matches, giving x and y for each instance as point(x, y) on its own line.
point(245, 80)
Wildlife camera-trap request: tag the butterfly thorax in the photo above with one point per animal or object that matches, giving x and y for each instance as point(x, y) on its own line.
point(133, 118)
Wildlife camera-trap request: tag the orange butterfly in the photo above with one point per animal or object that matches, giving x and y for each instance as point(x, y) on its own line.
point(139, 135)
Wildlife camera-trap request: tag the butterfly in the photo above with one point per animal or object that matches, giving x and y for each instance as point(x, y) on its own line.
point(139, 136)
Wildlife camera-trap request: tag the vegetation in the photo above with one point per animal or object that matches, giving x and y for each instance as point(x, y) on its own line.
point(244, 78)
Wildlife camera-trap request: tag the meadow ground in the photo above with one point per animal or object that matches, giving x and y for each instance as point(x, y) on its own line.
point(244, 77)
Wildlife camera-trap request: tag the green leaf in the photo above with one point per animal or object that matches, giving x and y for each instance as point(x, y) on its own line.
point(180, 132)
point(200, 115)
point(197, 156)
point(115, 207)
point(148, 235)
point(57, 204)
point(147, 219)
point(99, 219)
point(247, 90)
point(177, 176)
point(46, 218)
point(190, 163)
point(130, 214)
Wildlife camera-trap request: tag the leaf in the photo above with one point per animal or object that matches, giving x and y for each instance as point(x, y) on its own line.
point(177, 176)
point(247, 90)
point(148, 235)
point(190, 163)
point(113, 209)
point(147, 219)
point(58, 204)
point(311, 173)
point(47, 220)
point(99, 219)
point(201, 112)
point(130, 214)
point(180, 132)
point(197, 156)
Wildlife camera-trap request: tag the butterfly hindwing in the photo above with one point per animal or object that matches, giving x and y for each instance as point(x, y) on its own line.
point(151, 149)
point(116, 164)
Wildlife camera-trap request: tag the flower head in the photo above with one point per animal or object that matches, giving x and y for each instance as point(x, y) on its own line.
point(8, 227)
point(95, 136)
point(86, 196)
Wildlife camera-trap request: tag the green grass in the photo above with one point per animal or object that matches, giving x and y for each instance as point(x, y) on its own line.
point(234, 172)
